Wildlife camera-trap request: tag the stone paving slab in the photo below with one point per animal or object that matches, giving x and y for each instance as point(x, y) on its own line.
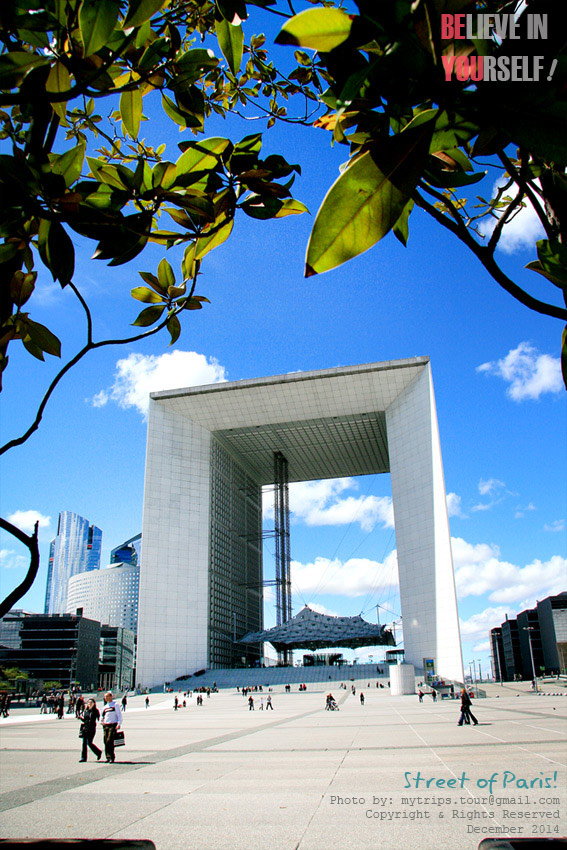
point(298, 778)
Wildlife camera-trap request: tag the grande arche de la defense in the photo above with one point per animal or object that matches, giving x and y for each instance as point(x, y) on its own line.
point(211, 449)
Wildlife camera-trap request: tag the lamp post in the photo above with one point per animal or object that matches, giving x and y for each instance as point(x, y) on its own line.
point(529, 629)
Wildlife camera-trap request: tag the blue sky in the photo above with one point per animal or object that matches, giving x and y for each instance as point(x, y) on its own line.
point(495, 368)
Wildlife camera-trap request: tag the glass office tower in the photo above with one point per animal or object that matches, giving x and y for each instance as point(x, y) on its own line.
point(75, 549)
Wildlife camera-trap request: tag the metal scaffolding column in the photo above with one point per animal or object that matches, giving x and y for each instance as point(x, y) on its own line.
point(283, 557)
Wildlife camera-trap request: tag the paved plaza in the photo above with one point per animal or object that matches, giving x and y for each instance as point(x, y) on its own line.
point(392, 773)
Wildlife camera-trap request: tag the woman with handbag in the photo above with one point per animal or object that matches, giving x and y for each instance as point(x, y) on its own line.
point(87, 731)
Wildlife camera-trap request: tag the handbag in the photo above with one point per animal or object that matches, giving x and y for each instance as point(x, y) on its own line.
point(82, 730)
point(119, 739)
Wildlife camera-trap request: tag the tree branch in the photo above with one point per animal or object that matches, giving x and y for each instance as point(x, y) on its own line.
point(490, 264)
point(524, 184)
point(89, 346)
point(31, 543)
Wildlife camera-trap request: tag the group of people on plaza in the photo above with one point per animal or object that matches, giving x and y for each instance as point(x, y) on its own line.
point(111, 720)
point(432, 694)
point(261, 706)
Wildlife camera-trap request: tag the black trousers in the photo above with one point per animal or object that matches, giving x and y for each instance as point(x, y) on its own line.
point(88, 742)
point(109, 730)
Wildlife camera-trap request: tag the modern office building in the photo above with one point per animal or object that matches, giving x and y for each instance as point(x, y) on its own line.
point(533, 643)
point(211, 450)
point(497, 654)
point(109, 595)
point(10, 627)
point(75, 549)
point(58, 648)
point(128, 552)
point(511, 649)
point(531, 649)
point(116, 661)
point(552, 616)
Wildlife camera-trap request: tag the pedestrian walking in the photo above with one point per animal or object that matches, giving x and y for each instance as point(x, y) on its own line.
point(434, 695)
point(261, 703)
point(88, 730)
point(466, 713)
point(60, 707)
point(420, 695)
point(147, 702)
point(124, 702)
point(250, 703)
point(361, 698)
point(111, 720)
point(269, 703)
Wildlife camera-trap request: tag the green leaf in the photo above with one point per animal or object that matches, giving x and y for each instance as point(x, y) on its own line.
point(165, 274)
point(231, 43)
point(366, 200)
point(140, 11)
point(319, 29)
point(152, 281)
point(56, 250)
point(97, 19)
point(201, 156)
point(131, 111)
point(43, 338)
point(142, 293)
point(22, 286)
point(15, 65)
point(206, 242)
point(401, 227)
point(232, 10)
point(290, 206)
point(177, 115)
point(552, 262)
point(149, 316)
point(174, 328)
point(69, 164)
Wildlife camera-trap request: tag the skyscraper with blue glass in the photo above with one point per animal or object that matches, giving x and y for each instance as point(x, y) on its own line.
point(75, 549)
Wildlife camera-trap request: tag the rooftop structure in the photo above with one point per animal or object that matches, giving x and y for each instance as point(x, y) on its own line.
point(311, 630)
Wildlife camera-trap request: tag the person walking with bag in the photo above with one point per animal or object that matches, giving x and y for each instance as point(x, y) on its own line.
point(89, 718)
point(111, 720)
point(466, 713)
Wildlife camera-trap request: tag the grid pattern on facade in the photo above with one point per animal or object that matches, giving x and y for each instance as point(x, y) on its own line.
point(235, 564)
point(109, 595)
point(316, 448)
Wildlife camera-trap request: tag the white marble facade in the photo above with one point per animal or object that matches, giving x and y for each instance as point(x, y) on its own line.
point(252, 419)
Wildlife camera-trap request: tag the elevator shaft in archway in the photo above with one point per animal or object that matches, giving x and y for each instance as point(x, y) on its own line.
point(283, 556)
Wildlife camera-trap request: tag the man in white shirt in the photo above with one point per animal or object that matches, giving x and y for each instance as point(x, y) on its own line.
point(111, 720)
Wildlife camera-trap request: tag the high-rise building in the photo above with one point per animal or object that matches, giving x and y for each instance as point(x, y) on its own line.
point(128, 552)
point(109, 595)
point(75, 549)
point(116, 661)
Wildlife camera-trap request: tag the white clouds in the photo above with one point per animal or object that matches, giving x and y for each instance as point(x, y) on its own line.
point(10, 560)
point(478, 626)
point(479, 571)
point(556, 525)
point(138, 375)
point(490, 487)
point(493, 488)
point(26, 520)
point(528, 373)
point(454, 505)
point(520, 233)
point(354, 577)
point(319, 503)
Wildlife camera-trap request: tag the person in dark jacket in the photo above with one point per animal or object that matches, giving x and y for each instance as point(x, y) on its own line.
point(89, 718)
point(466, 713)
